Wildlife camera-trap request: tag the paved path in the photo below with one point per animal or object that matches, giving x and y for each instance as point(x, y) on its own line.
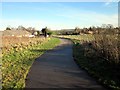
point(57, 69)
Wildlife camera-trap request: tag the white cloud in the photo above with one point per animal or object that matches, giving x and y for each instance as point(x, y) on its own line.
point(108, 2)
point(85, 19)
point(88, 18)
point(38, 24)
point(25, 23)
point(74, 16)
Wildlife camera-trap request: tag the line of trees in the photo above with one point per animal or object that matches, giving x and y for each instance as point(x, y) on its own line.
point(77, 31)
point(90, 30)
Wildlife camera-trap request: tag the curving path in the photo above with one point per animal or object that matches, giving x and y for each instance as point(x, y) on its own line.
point(57, 69)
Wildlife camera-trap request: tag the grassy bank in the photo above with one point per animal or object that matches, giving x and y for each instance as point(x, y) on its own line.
point(105, 72)
point(16, 63)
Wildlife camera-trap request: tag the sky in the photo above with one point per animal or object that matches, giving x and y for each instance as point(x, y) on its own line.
point(58, 15)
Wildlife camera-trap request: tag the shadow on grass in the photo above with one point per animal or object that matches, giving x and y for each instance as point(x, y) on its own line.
point(38, 50)
point(59, 63)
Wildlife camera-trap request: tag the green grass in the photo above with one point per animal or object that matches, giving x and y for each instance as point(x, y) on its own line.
point(16, 64)
point(81, 38)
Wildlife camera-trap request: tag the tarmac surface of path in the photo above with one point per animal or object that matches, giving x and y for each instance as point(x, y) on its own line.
point(57, 69)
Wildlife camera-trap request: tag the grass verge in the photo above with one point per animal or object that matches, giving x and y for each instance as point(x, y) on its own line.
point(16, 64)
point(105, 73)
point(87, 58)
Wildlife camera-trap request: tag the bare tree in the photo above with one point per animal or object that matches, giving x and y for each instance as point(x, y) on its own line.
point(44, 31)
point(21, 28)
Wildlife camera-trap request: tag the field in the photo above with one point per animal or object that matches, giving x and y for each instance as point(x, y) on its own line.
point(18, 42)
point(80, 38)
point(18, 55)
point(99, 55)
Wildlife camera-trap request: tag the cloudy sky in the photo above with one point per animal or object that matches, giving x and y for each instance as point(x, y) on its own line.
point(58, 15)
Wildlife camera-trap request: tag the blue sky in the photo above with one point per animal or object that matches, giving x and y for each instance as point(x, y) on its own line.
point(58, 15)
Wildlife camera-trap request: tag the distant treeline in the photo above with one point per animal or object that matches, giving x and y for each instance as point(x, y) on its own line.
point(90, 30)
point(76, 31)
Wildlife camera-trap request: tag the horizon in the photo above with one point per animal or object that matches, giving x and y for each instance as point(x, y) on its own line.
point(58, 15)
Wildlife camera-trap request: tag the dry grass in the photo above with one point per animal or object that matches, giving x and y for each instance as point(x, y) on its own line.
point(99, 55)
point(9, 43)
point(107, 45)
point(17, 62)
